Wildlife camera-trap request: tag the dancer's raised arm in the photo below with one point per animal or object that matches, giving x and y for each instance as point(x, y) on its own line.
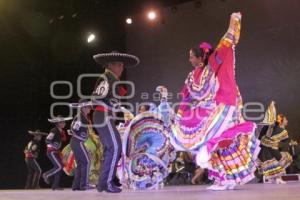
point(232, 35)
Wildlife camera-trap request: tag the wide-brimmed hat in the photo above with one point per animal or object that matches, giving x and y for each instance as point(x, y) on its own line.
point(114, 56)
point(59, 118)
point(37, 132)
point(81, 103)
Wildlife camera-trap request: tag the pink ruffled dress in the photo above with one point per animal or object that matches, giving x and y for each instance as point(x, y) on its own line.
point(210, 123)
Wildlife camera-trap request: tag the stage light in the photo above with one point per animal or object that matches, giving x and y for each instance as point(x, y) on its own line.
point(74, 15)
point(91, 38)
point(51, 21)
point(151, 15)
point(129, 21)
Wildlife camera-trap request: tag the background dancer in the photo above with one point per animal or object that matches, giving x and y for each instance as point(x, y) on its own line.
point(31, 152)
point(79, 132)
point(274, 158)
point(54, 141)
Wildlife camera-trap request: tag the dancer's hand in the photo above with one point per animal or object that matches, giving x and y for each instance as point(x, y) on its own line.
point(235, 26)
point(293, 142)
point(163, 91)
point(232, 35)
point(237, 15)
point(177, 117)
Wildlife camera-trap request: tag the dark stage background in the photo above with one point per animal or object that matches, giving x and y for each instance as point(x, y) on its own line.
point(34, 53)
point(38, 46)
point(267, 56)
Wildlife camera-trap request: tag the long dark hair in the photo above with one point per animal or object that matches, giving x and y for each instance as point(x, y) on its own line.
point(203, 50)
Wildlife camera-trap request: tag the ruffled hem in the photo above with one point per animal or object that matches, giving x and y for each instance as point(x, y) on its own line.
point(273, 168)
point(213, 125)
point(236, 163)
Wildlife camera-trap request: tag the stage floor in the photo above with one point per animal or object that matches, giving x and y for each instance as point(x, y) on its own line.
point(289, 191)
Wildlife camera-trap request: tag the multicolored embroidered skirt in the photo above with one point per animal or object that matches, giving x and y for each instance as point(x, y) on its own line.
point(274, 167)
point(95, 150)
point(148, 152)
point(197, 126)
point(234, 160)
point(230, 143)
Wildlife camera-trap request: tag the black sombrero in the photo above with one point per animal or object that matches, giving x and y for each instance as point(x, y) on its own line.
point(81, 103)
point(37, 132)
point(59, 118)
point(114, 56)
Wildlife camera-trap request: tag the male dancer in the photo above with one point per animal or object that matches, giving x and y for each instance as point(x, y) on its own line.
point(54, 141)
point(31, 154)
point(106, 95)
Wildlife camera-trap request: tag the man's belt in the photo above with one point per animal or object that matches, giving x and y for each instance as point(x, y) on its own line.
point(79, 138)
point(104, 109)
point(29, 155)
point(51, 148)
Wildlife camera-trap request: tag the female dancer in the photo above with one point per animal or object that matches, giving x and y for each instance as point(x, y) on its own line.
point(274, 159)
point(209, 121)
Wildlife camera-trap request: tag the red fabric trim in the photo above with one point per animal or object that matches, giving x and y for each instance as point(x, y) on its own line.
point(70, 163)
point(122, 91)
point(51, 149)
point(225, 143)
point(101, 108)
point(63, 136)
point(29, 155)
